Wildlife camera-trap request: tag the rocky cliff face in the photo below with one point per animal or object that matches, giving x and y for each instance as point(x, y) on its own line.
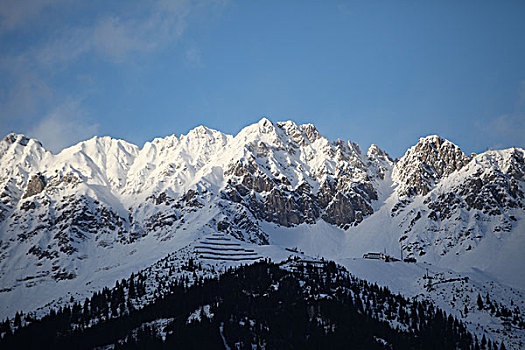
point(425, 164)
point(62, 215)
point(35, 185)
point(59, 210)
point(299, 177)
point(455, 203)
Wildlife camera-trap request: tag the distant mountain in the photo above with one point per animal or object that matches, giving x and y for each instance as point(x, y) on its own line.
point(75, 222)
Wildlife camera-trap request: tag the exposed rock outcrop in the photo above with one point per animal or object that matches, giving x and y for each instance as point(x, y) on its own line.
point(35, 185)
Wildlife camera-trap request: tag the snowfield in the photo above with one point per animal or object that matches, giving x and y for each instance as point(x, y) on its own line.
point(75, 222)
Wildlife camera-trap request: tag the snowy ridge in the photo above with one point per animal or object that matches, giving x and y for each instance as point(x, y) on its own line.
point(104, 208)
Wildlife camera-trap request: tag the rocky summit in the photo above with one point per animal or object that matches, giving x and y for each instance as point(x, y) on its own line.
point(78, 220)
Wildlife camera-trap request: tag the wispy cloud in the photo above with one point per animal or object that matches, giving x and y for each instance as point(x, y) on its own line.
point(344, 8)
point(29, 96)
point(17, 13)
point(64, 126)
point(505, 130)
point(23, 98)
point(119, 38)
point(520, 105)
point(502, 131)
point(193, 58)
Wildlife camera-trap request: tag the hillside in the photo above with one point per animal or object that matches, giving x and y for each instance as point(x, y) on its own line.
point(294, 304)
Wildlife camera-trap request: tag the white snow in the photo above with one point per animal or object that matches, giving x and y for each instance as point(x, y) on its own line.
point(105, 173)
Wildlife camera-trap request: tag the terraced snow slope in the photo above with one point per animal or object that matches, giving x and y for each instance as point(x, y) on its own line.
point(219, 247)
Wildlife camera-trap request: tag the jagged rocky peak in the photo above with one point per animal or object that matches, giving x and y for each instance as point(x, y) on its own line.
point(202, 131)
point(314, 179)
point(168, 141)
point(510, 161)
point(379, 162)
point(194, 140)
point(375, 152)
point(17, 140)
point(265, 125)
point(265, 137)
point(348, 154)
point(20, 157)
point(515, 165)
point(424, 164)
point(203, 139)
point(310, 132)
point(354, 147)
point(491, 181)
point(302, 135)
point(262, 127)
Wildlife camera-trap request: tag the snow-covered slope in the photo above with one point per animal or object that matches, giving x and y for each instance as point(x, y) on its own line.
point(91, 207)
point(104, 208)
point(499, 317)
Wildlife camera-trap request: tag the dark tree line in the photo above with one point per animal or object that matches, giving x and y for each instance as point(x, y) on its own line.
point(264, 305)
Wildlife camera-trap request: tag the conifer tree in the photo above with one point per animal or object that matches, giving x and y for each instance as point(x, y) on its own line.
point(18, 321)
point(480, 302)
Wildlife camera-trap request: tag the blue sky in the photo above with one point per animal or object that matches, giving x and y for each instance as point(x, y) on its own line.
point(384, 72)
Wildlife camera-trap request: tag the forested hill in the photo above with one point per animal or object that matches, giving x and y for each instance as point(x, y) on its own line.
point(296, 304)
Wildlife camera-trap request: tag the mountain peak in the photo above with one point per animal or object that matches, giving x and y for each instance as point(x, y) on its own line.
point(265, 121)
point(99, 145)
point(104, 140)
point(375, 151)
point(300, 134)
point(424, 164)
point(20, 139)
point(102, 208)
point(204, 134)
point(435, 140)
point(310, 132)
point(264, 129)
point(13, 137)
point(265, 125)
point(201, 130)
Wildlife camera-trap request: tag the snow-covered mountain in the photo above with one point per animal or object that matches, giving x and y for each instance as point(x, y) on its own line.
point(77, 221)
